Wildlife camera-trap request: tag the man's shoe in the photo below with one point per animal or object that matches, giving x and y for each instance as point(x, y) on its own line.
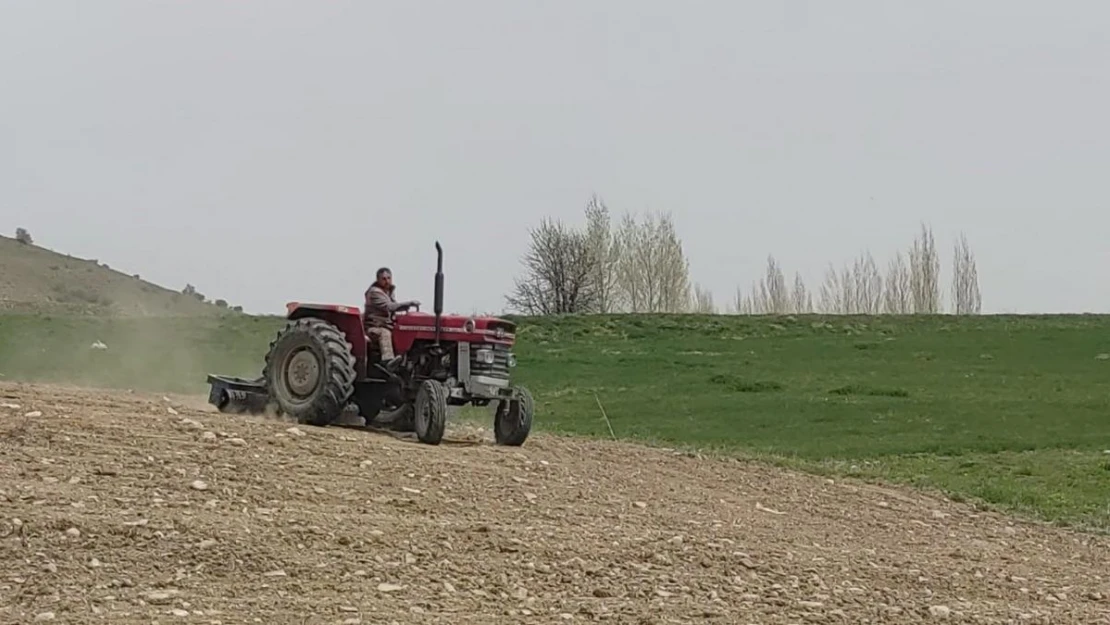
point(391, 364)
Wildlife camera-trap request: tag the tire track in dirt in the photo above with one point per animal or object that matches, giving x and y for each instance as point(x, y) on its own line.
point(117, 510)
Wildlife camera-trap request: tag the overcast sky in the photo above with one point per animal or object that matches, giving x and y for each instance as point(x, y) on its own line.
point(269, 151)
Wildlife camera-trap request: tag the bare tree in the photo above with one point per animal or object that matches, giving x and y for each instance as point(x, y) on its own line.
point(742, 304)
point(837, 295)
point(674, 267)
point(559, 266)
point(925, 273)
point(775, 298)
point(867, 286)
point(760, 305)
point(23, 236)
point(736, 306)
point(966, 298)
point(634, 265)
point(828, 296)
point(801, 301)
point(652, 271)
point(702, 301)
point(897, 297)
point(606, 249)
point(859, 287)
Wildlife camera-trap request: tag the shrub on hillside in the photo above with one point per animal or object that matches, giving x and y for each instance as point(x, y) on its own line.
point(79, 295)
point(191, 291)
point(23, 236)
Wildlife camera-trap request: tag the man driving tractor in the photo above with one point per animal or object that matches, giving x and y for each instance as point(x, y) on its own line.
point(378, 312)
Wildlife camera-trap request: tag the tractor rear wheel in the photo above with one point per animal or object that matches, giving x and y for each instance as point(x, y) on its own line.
point(310, 371)
point(513, 420)
point(430, 412)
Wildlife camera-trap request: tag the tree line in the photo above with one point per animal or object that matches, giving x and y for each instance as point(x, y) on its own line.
point(910, 284)
point(635, 265)
point(638, 264)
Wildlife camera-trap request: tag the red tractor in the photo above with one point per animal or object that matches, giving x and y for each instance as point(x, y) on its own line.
point(322, 362)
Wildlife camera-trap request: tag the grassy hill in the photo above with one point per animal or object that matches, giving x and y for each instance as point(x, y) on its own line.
point(35, 279)
point(1010, 410)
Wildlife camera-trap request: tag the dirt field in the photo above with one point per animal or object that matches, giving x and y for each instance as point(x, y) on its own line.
point(124, 508)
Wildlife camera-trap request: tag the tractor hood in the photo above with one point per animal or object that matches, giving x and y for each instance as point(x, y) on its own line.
point(493, 327)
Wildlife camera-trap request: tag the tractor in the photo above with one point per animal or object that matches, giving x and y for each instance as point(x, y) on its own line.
point(323, 363)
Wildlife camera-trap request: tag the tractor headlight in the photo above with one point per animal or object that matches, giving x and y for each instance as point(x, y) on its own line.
point(512, 360)
point(484, 356)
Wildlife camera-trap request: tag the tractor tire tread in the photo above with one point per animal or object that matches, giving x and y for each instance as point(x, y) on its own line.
point(436, 394)
point(516, 436)
point(339, 369)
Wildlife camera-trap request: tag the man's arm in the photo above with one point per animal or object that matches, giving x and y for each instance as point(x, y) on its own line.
point(377, 298)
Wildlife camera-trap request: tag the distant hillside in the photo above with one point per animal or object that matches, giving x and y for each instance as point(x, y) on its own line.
point(38, 280)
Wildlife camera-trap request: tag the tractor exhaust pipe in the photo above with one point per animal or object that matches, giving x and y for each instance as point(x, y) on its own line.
point(437, 304)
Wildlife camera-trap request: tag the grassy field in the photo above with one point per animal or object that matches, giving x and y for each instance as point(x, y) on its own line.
point(1013, 411)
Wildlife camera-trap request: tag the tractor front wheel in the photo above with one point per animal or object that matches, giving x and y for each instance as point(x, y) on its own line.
point(310, 371)
point(430, 412)
point(513, 420)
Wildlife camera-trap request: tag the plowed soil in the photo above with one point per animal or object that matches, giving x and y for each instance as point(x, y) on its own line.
point(120, 508)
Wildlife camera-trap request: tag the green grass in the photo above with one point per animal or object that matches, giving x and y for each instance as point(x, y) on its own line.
point(1012, 410)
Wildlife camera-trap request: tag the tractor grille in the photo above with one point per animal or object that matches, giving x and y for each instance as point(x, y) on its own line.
point(500, 366)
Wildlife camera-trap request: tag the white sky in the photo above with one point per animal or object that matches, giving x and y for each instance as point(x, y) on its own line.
point(261, 150)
